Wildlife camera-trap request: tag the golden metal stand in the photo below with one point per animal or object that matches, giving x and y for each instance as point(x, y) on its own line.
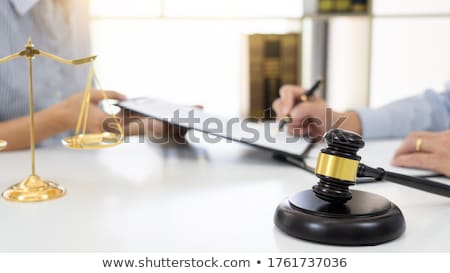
point(33, 188)
point(3, 144)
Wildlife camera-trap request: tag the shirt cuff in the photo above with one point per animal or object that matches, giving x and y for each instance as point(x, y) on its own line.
point(374, 123)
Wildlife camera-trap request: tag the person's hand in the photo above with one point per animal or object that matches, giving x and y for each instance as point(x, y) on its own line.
point(70, 110)
point(310, 118)
point(433, 154)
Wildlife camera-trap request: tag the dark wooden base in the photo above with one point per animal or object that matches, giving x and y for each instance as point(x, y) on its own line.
point(366, 219)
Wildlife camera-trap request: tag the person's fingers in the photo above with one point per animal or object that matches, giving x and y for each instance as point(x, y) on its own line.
point(97, 95)
point(409, 144)
point(295, 128)
point(99, 121)
point(288, 95)
point(311, 131)
point(276, 106)
point(426, 161)
point(305, 110)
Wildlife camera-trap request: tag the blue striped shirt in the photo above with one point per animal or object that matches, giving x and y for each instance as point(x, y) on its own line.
point(61, 33)
point(429, 111)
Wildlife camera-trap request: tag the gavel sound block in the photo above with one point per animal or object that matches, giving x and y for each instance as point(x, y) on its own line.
point(332, 214)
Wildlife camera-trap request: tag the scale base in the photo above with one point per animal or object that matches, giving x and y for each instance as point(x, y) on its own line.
point(366, 219)
point(33, 189)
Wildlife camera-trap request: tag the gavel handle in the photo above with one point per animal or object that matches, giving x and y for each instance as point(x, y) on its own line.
point(418, 183)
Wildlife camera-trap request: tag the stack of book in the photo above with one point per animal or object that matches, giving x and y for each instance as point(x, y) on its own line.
point(273, 62)
point(342, 6)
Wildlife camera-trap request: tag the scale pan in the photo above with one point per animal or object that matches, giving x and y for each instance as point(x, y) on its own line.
point(3, 144)
point(92, 141)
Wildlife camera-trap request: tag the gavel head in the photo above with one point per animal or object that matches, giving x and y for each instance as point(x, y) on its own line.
point(337, 166)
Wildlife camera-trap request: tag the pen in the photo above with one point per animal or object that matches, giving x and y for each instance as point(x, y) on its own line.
point(302, 98)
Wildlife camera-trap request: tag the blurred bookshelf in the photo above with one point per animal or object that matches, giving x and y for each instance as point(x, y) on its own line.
point(273, 60)
point(336, 7)
point(334, 44)
point(202, 46)
point(194, 49)
point(357, 51)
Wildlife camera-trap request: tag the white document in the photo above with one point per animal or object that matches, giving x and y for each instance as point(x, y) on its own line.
point(261, 134)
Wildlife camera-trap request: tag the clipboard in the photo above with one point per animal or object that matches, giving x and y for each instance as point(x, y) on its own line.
point(261, 135)
point(287, 148)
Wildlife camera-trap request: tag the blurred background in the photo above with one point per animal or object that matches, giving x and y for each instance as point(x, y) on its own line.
point(233, 55)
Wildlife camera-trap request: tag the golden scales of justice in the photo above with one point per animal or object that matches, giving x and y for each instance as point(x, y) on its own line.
point(33, 188)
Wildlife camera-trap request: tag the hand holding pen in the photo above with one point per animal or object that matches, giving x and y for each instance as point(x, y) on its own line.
point(309, 116)
point(299, 98)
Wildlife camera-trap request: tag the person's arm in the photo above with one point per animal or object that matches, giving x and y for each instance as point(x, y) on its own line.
point(429, 111)
point(56, 119)
point(415, 115)
point(17, 132)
